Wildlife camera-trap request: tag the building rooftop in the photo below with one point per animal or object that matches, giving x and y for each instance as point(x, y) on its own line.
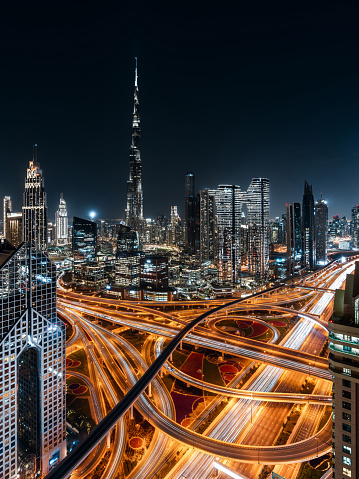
point(6, 250)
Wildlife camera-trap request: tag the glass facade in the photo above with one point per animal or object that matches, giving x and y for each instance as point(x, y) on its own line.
point(84, 240)
point(228, 202)
point(257, 200)
point(308, 238)
point(34, 210)
point(61, 221)
point(343, 349)
point(32, 366)
point(321, 231)
point(294, 244)
point(207, 234)
point(134, 209)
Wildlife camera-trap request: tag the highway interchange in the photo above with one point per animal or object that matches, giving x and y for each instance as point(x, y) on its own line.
point(245, 422)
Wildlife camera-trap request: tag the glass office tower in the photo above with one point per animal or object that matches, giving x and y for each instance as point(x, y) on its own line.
point(32, 366)
point(34, 210)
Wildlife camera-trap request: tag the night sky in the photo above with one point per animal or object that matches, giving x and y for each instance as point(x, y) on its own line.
point(229, 93)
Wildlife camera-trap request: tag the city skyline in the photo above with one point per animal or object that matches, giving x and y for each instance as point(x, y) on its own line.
point(291, 106)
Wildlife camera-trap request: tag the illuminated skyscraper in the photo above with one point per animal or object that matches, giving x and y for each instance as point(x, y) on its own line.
point(176, 236)
point(354, 226)
point(127, 265)
point(321, 231)
point(134, 209)
point(84, 240)
point(191, 213)
point(62, 224)
point(14, 228)
point(228, 200)
point(208, 245)
point(308, 238)
point(257, 200)
point(7, 208)
point(34, 210)
point(343, 364)
point(32, 366)
point(294, 227)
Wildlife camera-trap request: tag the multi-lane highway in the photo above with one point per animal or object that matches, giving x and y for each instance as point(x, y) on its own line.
point(231, 431)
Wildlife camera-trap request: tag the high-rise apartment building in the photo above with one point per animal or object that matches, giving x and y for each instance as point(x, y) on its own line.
point(294, 243)
point(134, 209)
point(84, 240)
point(176, 233)
point(14, 228)
point(34, 210)
point(7, 209)
point(154, 272)
point(228, 201)
point(191, 213)
point(321, 230)
point(354, 226)
point(62, 223)
point(308, 236)
point(127, 264)
point(257, 200)
point(339, 227)
point(32, 366)
point(207, 235)
point(344, 365)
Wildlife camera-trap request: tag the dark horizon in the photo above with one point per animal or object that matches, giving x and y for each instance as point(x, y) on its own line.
point(228, 94)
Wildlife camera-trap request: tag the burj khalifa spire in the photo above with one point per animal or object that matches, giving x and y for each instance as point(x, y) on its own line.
point(134, 209)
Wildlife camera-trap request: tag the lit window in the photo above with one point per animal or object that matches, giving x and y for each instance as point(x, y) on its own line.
point(347, 449)
point(347, 472)
point(347, 461)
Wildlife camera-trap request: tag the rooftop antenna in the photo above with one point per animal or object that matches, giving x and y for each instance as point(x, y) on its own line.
point(136, 76)
point(34, 153)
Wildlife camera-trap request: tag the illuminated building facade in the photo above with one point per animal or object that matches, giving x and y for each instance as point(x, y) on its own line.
point(176, 235)
point(84, 244)
point(32, 366)
point(321, 231)
point(154, 272)
point(191, 229)
point(257, 200)
point(308, 236)
point(207, 223)
point(339, 227)
point(14, 228)
point(354, 226)
point(127, 264)
point(294, 242)
point(127, 240)
point(228, 201)
point(34, 210)
point(344, 366)
point(92, 274)
point(62, 223)
point(134, 209)
point(7, 209)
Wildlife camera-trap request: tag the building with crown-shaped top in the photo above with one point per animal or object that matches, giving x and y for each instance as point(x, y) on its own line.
point(34, 210)
point(62, 223)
